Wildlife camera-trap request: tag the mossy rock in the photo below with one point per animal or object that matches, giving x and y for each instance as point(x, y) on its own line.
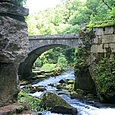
point(65, 86)
point(55, 103)
point(71, 81)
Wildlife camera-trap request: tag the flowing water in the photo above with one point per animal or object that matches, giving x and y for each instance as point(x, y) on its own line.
point(82, 106)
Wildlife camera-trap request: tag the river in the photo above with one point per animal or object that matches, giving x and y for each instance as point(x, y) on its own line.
point(82, 106)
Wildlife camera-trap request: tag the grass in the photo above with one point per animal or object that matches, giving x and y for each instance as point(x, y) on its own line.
point(48, 67)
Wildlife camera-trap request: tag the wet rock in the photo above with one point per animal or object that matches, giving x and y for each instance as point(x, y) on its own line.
point(76, 95)
point(57, 104)
point(64, 110)
point(62, 81)
point(34, 89)
point(71, 81)
point(51, 84)
point(66, 86)
point(59, 86)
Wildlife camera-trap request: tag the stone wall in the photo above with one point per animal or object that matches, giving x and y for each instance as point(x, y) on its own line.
point(105, 38)
point(95, 63)
point(102, 61)
point(13, 49)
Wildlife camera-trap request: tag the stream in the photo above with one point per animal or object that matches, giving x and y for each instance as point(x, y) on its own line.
point(82, 106)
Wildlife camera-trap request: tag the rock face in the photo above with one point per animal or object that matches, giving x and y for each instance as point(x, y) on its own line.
point(84, 81)
point(13, 49)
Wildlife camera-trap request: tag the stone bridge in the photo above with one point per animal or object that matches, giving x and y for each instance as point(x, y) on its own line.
point(36, 42)
point(39, 44)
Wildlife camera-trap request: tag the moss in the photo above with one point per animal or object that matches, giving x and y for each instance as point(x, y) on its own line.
point(101, 24)
point(33, 102)
point(20, 109)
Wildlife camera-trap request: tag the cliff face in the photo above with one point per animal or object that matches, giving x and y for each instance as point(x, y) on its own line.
point(13, 49)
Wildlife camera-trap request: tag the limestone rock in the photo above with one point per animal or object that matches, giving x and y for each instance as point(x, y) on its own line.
point(8, 84)
point(57, 104)
point(13, 40)
point(13, 49)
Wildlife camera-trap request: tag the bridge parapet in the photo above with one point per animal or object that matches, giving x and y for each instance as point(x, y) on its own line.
point(50, 37)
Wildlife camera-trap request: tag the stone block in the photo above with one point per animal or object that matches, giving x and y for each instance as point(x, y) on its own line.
point(108, 30)
point(97, 48)
point(105, 46)
point(98, 31)
point(112, 46)
point(95, 40)
point(108, 39)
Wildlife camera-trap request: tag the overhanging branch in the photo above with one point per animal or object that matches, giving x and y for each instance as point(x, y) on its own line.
point(106, 4)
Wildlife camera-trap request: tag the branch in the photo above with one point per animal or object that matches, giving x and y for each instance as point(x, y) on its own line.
point(106, 4)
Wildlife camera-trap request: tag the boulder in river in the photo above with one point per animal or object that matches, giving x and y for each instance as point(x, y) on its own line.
point(57, 104)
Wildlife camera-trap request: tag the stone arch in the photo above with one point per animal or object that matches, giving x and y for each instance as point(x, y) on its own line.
point(25, 67)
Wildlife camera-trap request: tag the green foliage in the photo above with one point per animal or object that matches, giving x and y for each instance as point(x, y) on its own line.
point(33, 102)
point(80, 60)
point(52, 56)
point(48, 67)
point(82, 53)
point(62, 61)
point(69, 55)
point(38, 62)
point(102, 16)
point(112, 13)
point(70, 29)
point(105, 78)
point(67, 17)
